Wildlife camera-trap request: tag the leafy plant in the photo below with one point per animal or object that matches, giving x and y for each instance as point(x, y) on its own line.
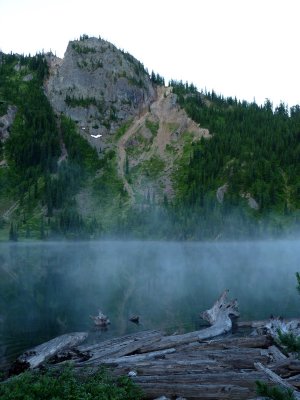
point(290, 341)
point(66, 385)
point(275, 392)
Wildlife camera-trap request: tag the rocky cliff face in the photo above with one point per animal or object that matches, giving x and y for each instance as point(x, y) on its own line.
point(6, 122)
point(98, 86)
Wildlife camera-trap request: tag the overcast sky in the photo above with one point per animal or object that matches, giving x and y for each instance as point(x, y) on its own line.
point(243, 48)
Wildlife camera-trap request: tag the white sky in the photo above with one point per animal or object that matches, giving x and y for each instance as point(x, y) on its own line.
point(243, 48)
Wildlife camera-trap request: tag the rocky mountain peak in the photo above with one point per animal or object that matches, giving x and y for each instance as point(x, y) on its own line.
point(98, 86)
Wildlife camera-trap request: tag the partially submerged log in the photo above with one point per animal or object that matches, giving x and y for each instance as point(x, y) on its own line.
point(135, 319)
point(41, 353)
point(100, 320)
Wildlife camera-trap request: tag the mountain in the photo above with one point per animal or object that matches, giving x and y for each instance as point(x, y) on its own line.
point(92, 145)
point(98, 86)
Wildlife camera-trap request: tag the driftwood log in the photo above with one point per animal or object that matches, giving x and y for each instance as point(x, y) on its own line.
point(36, 356)
point(100, 320)
point(220, 317)
point(195, 365)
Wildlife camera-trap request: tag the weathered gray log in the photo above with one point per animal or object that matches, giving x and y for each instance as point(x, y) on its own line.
point(179, 362)
point(286, 368)
point(197, 391)
point(262, 323)
point(274, 325)
point(244, 379)
point(171, 341)
point(277, 379)
point(261, 342)
point(120, 346)
point(276, 354)
point(39, 354)
point(139, 337)
point(294, 380)
point(134, 359)
point(220, 317)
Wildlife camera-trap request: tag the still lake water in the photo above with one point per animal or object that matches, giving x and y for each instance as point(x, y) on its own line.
point(47, 289)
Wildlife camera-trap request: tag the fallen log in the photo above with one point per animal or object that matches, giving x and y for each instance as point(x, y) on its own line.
point(286, 368)
point(262, 323)
point(276, 354)
point(39, 354)
point(196, 391)
point(136, 358)
point(277, 379)
point(294, 380)
point(261, 342)
point(219, 316)
point(119, 347)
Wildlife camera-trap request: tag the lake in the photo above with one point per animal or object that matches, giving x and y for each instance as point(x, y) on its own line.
point(47, 289)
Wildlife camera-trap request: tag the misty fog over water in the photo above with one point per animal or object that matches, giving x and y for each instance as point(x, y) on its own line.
point(47, 289)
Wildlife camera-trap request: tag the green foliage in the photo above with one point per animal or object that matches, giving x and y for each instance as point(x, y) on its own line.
point(3, 108)
point(79, 150)
point(66, 385)
point(252, 149)
point(289, 341)
point(122, 130)
point(275, 393)
point(151, 168)
point(139, 82)
point(139, 68)
point(157, 79)
point(108, 185)
point(72, 101)
point(84, 37)
point(80, 49)
point(83, 162)
point(32, 148)
point(153, 126)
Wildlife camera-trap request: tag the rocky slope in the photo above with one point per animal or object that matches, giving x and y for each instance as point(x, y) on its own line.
point(150, 148)
point(98, 86)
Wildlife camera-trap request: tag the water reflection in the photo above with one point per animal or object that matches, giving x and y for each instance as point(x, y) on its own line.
point(48, 289)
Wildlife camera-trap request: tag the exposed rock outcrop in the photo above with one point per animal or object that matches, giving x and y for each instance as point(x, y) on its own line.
point(98, 86)
point(151, 146)
point(6, 121)
point(221, 192)
point(252, 203)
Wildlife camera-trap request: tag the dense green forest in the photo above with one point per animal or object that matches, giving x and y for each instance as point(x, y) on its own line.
point(36, 181)
point(253, 153)
point(255, 150)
